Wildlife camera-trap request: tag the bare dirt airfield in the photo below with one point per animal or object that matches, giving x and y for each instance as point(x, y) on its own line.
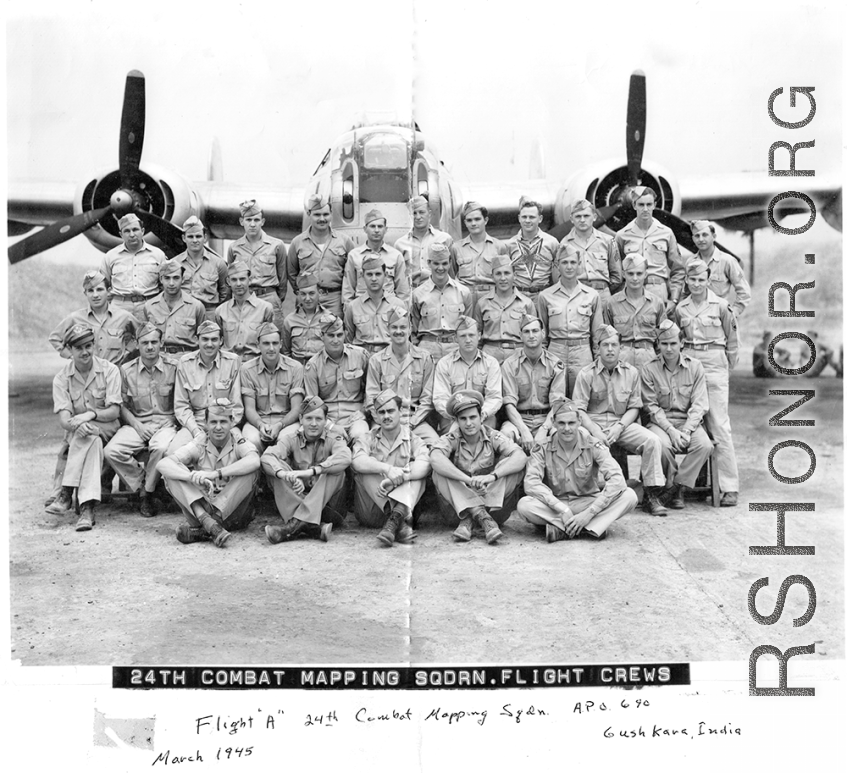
point(658, 589)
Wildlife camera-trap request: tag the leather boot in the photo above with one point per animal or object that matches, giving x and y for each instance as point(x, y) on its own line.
point(389, 530)
point(146, 506)
point(487, 524)
point(61, 503)
point(406, 535)
point(554, 533)
point(464, 531)
point(186, 534)
point(676, 500)
point(288, 531)
point(86, 517)
point(652, 503)
point(217, 532)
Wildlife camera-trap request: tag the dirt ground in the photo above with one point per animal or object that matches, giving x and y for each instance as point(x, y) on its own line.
point(658, 589)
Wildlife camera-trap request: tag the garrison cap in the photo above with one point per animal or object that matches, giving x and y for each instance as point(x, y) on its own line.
point(668, 330)
point(249, 207)
point(417, 201)
point(397, 314)
point(566, 406)
point(606, 331)
point(307, 279)
point(471, 206)
point(634, 260)
point(500, 261)
point(315, 201)
point(699, 225)
point(92, 279)
point(127, 220)
point(437, 250)
point(330, 323)
point(207, 326)
point(78, 335)
point(466, 323)
point(265, 329)
point(641, 190)
point(221, 406)
point(374, 214)
point(696, 266)
point(193, 222)
point(312, 403)
point(528, 319)
point(384, 397)
point(146, 329)
point(373, 261)
point(169, 267)
point(237, 267)
point(466, 398)
point(581, 204)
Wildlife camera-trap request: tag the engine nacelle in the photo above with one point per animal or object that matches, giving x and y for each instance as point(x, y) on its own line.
point(157, 190)
point(605, 182)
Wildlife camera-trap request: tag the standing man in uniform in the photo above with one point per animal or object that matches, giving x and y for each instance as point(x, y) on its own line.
point(242, 316)
point(408, 371)
point(306, 470)
point(533, 251)
point(301, 331)
point(724, 271)
point(132, 268)
point(599, 261)
point(204, 273)
point(467, 368)
point(414, 246)
point(673, 388)
point(657, 243)
point(213, 478)
point(322, 252)
point(87, 397)
point(148, 418)
point(366, 316)
point(498, 313)
point(337, 375)
point(476, 471)
point(572, 314)
point(201, 378)
point(635, 314)
point(397, 283)
point(473, 255)
point(438, 303)
point(390, 466)
point(608, 395)
point(534, 381)
point(175, 313)
point(561, 483)
point(272, 391)
point(265, 257)
point(709, 335)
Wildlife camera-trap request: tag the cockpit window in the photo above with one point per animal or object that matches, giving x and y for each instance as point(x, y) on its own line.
point(385, 151)
point(375, 187)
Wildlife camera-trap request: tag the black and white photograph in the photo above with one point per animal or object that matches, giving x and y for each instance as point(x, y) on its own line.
point(462, 336)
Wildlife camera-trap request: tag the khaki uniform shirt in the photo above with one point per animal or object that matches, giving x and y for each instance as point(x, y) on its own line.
point(452, 373)
point(533, 386)
point(272, 389)
point(574, 317)
point(713, 323)
point(533, 261)
point(415, 252)
point(635, 322)
point(553, 473)
point(396, 280)
point(341, 381)
point(436, 312)
point(405, 449)
point(410, 379)
point(326, 261)
point(178, 325)
point(295, 452)
point(266, 262)
point(114, 332)
point(599, 259)
point(726, 274)
point(301, 334)
point(240, 324)
point(197, 386)
point(659, 246)
point(149, 394)
point(679, 394)
point(205, 456)
point(500, 320)
point(366, 322)
point(491, 448)
point(601, 393)
point(472, 263)
point(77, 392)
point(133, 273)
point(206, 279)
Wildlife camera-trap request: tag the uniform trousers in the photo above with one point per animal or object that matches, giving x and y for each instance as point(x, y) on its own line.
point(273, 300)
point(426, 432)
point(136, 308)
point(370, 503)
point(636, 356)
point(456, 496)
point(127, 443)
point(438, 349)
point(699, 449)
point(85, 461)
point(348, 416)
point(330, 300)
point(500, 353)
point(636, 439)
point(532, 421)
point(575, 355)
point(324, 501)
point(717, 419)
point(230, 506)
point(535, 511)
point(659, 289)
point(251, 433)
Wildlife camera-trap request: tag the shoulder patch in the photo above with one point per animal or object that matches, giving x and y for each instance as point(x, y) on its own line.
point(240, 441)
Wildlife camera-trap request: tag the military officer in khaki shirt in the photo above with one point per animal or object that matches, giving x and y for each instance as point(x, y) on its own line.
point(148, 418)
point(366, 316)
point(241, 317)
point(204, 273)
point(390, 466)
point(322, 252)
point(498, 313)
point(534, 381)
point(306, 470)
point(213, 478)
point(337, 375)
point(608, 395)
point(476, 471)
point(438, 304)
point(265, 256)
point(473, 255)
point(724, 271)
point(533, 251)
point(301, 331)
point(563, 494)
point(673, 389)
point(272, 390)
point(174, 312)
point(414, 246)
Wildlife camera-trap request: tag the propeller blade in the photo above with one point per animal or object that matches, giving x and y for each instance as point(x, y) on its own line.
point(604, 213)
point(55, 233)
point(561, 230)
point(636, 123)
point(682, 230)
point(132, 129)
point(169, 234)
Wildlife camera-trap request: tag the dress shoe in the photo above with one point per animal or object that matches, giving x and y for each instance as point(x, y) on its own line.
point(62, 503)
point(186, 534)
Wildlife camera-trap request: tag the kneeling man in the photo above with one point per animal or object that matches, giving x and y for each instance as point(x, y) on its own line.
point(306, 470)
point(213, 478)
point(563, 479)
point(476, 470)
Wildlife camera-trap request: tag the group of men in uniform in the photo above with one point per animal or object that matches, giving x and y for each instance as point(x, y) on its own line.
point(397, 362)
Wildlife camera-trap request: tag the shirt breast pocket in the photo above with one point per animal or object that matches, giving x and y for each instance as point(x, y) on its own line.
point(263, 400)
point(98, 396)
point(524, 389)
point(223, 387)
point(622, 394)
point(265, 265)
point(352, 380)
point(465, 266)
point(166, 397)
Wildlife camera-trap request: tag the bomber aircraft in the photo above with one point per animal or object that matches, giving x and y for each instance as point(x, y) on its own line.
point(382, 164)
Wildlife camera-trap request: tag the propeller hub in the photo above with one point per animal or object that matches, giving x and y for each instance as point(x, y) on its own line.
point(121, 203)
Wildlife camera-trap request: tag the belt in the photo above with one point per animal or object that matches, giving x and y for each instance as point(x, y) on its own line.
point(597, 284)
point(176, 348)
point(533, 411)
point(263, 290)
point(703, 347)
point(135, 297)
point(329, 289)
point(638, 344)
point(373, 347)
point(211, 306)
point(440, 339)
point(655, 280)
point(502, 344)
point(570, 340)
